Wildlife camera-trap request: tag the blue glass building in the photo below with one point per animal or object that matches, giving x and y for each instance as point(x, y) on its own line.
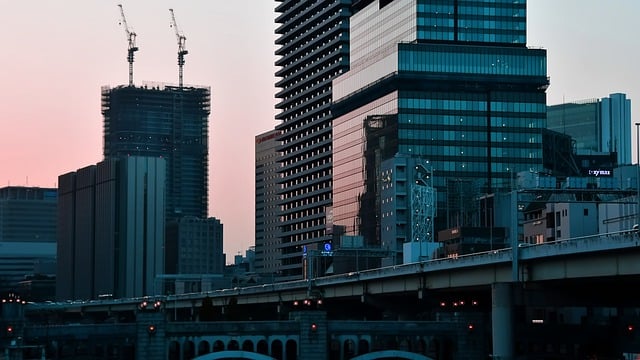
point(458, 90)
point(596, 125)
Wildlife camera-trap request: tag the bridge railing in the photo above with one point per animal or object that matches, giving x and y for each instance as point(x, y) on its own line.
point(599, 242)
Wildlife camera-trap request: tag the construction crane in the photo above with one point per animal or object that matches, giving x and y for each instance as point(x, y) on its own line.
point(181, 46)
point(131, 37)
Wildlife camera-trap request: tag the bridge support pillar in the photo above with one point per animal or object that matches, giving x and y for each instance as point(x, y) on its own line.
point(502, 321)
point(313, 334)
point(150, 343)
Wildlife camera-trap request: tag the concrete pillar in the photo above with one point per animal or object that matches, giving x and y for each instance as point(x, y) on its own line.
point(313, 334)
point(502, 321)
point(150, 335)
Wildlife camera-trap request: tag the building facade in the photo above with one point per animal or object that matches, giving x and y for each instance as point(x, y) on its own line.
point(27, 234)
point(169, 122)
point(313, 48)
point(460, 93)
point(111, 224)
point(28, 214)
point(267, 226)
point(201, 246)
point(597, 125)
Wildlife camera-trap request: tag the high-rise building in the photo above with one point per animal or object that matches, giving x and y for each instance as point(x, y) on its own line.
point(163, 121)
point(267, 226)
point(313, 49)
point(28, 214)
point(596, 125)
point(27, 233)
point(450, 84)
point(111, 224)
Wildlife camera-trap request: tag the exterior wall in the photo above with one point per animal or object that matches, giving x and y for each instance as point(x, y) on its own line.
point(572, 220)
point(200, 250)
point(107, 226)
point(616, 124)
point(84, 233)
point(313, 50)
point(111, 229)
point(267, 226)
point(349, 169)
point(142, 228)
point(66, 238)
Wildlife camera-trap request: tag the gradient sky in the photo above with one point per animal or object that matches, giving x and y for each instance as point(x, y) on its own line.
point(57, 54)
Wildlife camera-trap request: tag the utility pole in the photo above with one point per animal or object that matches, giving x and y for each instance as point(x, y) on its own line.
point(182, 51)
point(131, 38)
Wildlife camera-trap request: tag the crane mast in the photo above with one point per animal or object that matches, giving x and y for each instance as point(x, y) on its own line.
point(131, 37)
point(182, 51)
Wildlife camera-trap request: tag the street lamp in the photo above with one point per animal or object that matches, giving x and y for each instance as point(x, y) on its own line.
point(638, 173)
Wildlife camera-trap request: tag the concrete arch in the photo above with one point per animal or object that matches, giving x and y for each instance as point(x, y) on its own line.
point(234, 354)
point(398, 354)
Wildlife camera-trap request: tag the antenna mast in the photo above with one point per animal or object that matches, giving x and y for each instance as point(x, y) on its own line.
point(131, 37)
point(181, 46)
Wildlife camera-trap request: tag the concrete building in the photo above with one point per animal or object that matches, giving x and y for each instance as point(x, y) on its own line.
point(111, 224)
point(463, 97)
point(597, 125)
point(267, 226)
point(313, 48)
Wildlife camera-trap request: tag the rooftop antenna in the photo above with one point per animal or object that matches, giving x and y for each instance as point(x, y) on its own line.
point(131, 37)
point(181, 46)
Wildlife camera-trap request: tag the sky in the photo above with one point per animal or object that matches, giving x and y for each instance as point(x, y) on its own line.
point(57, 55)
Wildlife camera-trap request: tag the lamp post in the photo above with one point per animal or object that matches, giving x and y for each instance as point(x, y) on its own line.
point(638, 173)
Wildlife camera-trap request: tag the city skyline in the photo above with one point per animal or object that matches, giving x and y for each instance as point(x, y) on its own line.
point(50, 121)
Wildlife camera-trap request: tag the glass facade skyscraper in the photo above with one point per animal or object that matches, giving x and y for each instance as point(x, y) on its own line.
point(313, 46)
point(462, 93)
point(596, 125)
point(169, 122)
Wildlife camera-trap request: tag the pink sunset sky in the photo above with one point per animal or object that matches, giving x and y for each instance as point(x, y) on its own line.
point(56, 55)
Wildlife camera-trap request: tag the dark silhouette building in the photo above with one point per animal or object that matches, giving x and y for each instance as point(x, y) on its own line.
point(111, 229)
point(169, 122)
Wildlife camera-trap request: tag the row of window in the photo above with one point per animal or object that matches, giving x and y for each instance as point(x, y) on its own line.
point(486, 10)
point(306, 134)
point(465, 24)
point(428, 59)
point(308, 200)
point(447, 33)
point(299, 169)
point(469, 105)
point(302, 214)
point(460, 137)
point(303, 21)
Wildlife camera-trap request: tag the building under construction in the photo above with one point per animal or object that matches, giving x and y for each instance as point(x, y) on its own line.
point(163, 121)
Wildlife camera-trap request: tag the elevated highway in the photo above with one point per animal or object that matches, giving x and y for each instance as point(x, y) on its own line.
point(565, 297)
